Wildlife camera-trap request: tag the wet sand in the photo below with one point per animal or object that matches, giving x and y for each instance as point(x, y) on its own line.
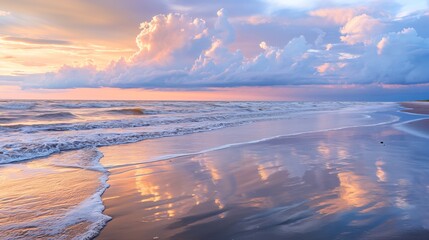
point(353, 183)
point(421, 126)
point(416, 107)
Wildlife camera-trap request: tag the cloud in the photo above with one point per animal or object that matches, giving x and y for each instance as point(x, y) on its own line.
point(37, 41)
point(361, 29)
point(4, 13)
point(336, 15)
point(256, 20)
point(171, 39)
point(70, 77)
point(178, 51)
point(223, 28)
point(399, 58)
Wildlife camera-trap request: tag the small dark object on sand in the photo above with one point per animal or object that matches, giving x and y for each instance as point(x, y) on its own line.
point(382, 142)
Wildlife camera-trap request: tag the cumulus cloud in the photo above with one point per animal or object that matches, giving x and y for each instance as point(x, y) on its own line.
point(223, 28)
point(361, 29)
point(178, 51)
point(336, 15)
point(398, 58)
point(70, 77)
point(171, 39)
point(4, 13)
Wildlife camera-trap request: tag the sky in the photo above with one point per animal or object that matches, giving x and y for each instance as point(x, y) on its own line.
point(316, 50)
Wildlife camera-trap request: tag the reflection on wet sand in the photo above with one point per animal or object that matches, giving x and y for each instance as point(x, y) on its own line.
point(354, 192)
point(381, 174)
point(335, 185)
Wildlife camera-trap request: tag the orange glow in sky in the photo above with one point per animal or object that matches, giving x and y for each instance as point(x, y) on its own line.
point(227, 94)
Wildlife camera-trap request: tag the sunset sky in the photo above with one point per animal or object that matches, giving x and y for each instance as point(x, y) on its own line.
point(215, 50)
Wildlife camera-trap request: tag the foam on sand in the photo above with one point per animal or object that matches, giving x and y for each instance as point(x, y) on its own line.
point(54, 198)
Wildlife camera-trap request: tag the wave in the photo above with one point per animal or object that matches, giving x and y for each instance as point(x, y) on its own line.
point(128, 111)
point(87, 158)
point(17, 105)
point(204, 116)
point(7, 119)
point(134, 123)
point(56, 116)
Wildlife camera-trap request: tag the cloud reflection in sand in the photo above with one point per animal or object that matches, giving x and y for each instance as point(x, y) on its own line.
point(282, 187)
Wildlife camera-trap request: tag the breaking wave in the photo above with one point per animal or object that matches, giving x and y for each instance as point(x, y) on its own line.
point(17, 105)
point(56, 116)
point(128, 111)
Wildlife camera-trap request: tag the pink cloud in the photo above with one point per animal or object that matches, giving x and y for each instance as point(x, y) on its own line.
point(4, 13)
point(361, 29)
point(336, 15)
point(169, 39)
point(323, 68)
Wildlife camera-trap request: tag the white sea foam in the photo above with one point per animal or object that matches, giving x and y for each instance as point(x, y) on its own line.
point(55, 225)
point(18, 105)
